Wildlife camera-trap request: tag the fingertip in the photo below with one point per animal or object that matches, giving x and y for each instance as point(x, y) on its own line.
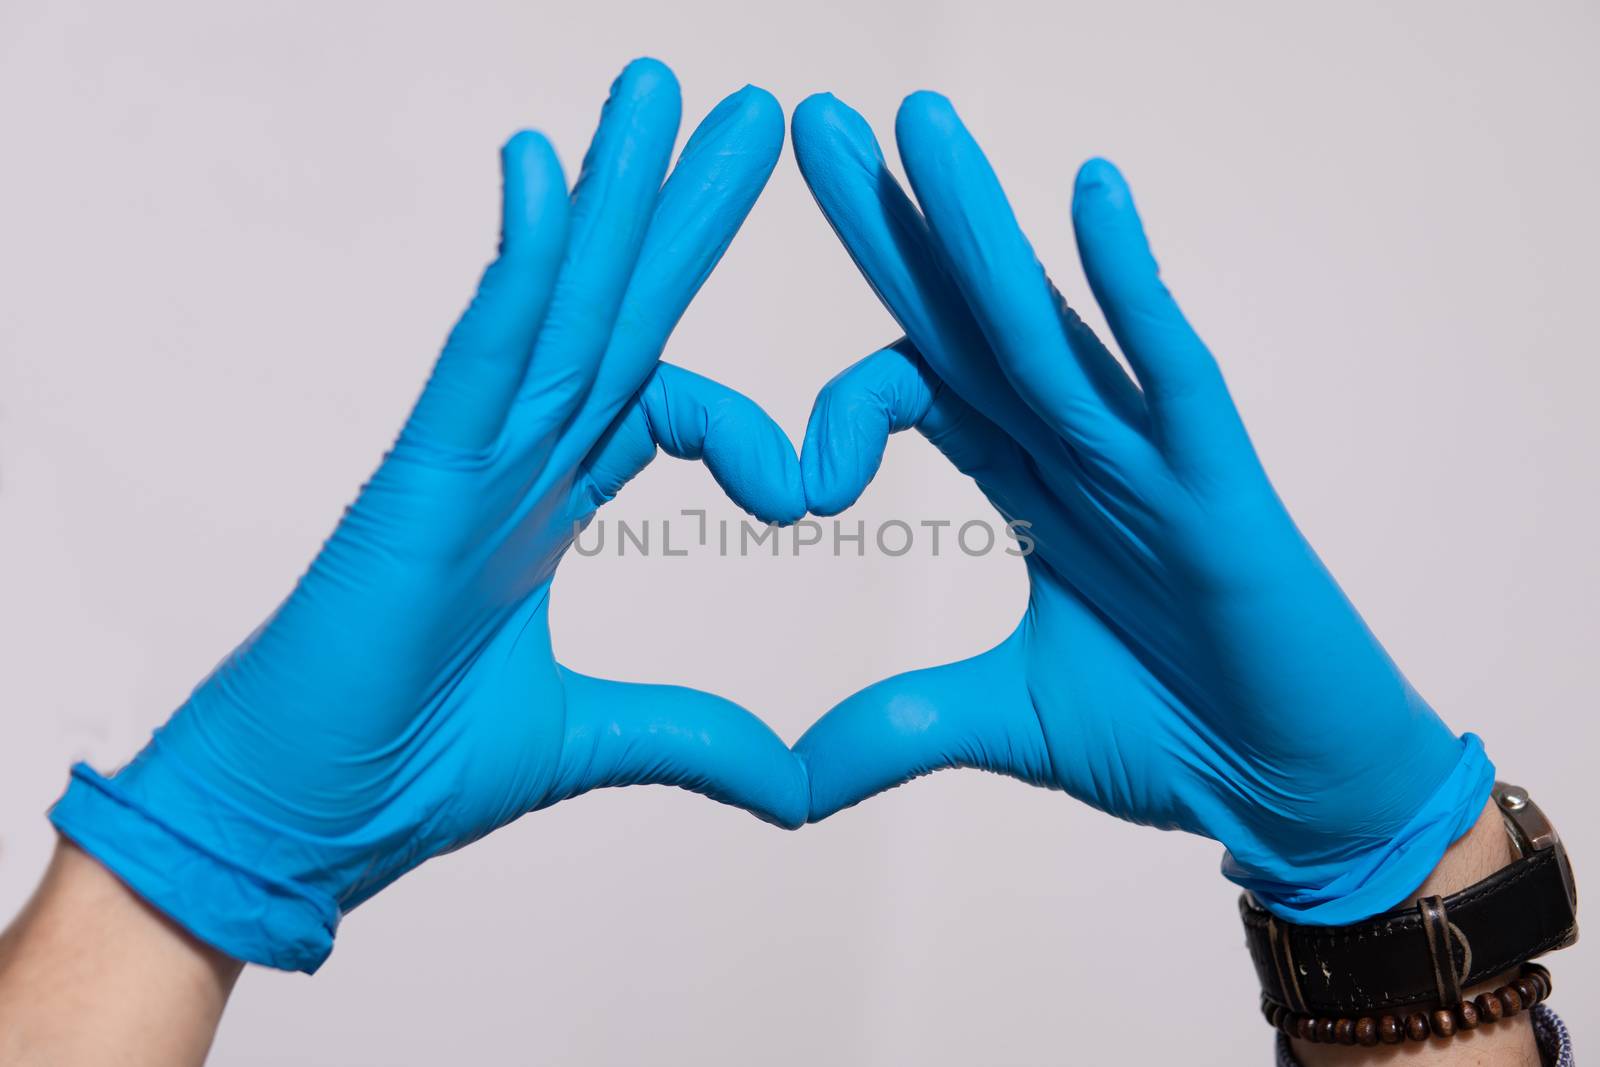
point(754, 461)
point(750, 104)
point(815, 106)
point(926, 113)
point(805, 790)
point(1098, 171)
point(777, 493)
point(645, 76)
point(823, 120)
point(782, 503)
point(827, 495)
point(926, 103)
point(749, 121)
point(792, 810)
point(819, 110)
point(753, 768)
point(627, 733)
point(851, 421)
point(535, 189)
point(1099, 182)
point(778, 797)
point(816, 809)
point(759, 112)
point(1106, 221)
point(947, 169)
point(825, 504)
point(521, 143)
point(957, 715)
point(760, 102)
point(528, 151)
point(647, 90)
point(822, 798)
point(529, 156)
point(829, 471)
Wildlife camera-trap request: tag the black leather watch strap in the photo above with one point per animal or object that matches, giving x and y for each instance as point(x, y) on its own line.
point(1517, 913)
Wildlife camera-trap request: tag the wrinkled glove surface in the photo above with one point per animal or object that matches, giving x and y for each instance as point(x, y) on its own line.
point(1185, 661)
point(403, 701)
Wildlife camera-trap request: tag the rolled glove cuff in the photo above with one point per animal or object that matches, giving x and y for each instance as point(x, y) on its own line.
point(1376, 880)
point(224, 899)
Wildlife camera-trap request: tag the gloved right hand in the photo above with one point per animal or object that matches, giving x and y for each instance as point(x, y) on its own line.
point(1186, 660)
point(404, 701)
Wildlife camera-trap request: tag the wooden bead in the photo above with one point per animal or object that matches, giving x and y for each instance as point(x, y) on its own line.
point(1531, 986)
point(1542, 976)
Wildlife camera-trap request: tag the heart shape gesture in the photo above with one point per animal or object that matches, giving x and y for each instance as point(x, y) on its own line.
point(1185, 660)
point(404, 700)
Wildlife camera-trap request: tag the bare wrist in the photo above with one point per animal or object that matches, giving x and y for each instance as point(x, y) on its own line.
point(89, 973)
point(1484, 849)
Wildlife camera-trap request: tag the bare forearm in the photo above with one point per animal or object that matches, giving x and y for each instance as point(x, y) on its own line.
point(1508, 1043)
point(91, 974)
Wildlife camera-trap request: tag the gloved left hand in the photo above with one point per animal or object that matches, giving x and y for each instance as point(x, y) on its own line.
point(404, 701)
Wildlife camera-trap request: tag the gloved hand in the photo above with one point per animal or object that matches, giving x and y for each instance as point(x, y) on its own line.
point(403, 701)
point(1185, 660)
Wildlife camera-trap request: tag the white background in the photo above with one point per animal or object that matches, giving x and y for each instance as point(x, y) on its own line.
point(233, 236)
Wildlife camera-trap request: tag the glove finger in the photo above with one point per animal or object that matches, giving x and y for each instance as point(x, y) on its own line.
point(1188, 399)
point(692, 417)
point(476, 377)
point(974, 713)
point(611, 208)
point(888, 239)
point(887, 392)
point(625, 733)
point(715, 183)
point(1053, 360)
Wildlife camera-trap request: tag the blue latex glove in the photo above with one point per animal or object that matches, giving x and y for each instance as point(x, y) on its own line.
point(1185, 660)
point(403, 701)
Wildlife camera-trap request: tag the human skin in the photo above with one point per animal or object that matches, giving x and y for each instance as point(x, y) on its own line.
point(1509, 1043)
point(89, 973)
point(92, 973)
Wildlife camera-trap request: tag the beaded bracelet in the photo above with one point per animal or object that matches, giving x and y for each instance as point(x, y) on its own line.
point(1531, 986)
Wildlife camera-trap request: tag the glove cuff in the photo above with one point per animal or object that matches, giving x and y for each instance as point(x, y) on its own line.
point(1375, 881)
point(221, 897)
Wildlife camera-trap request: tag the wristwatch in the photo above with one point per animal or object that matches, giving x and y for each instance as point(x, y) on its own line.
point(1426, 952)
